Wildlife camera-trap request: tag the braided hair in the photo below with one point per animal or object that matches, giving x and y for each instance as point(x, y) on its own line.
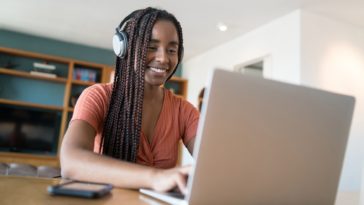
point(122, 126)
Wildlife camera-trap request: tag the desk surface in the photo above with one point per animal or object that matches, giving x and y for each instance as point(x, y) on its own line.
point(29, 190)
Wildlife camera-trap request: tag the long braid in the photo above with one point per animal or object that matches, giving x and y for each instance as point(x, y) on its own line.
point(138, 99)
point(122, 125)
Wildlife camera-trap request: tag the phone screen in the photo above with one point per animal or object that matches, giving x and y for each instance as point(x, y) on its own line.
point(84, 186)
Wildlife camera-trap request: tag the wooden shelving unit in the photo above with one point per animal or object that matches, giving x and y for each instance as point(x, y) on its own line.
point(178, 86)
point(20, 72)
point(65, 86)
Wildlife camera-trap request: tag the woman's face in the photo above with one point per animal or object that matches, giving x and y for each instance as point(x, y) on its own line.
point(162, 57)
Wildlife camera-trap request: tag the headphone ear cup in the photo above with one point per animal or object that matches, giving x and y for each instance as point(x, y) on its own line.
point(119, 43)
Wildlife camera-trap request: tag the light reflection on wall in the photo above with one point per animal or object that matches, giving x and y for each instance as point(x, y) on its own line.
point(342, 69)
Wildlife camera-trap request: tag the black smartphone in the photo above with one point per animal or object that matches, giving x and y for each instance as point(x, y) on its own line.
point(80, 189)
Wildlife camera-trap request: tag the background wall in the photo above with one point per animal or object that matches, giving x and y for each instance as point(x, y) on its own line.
point(54, 47)
point(277, 41)
point(335, 62)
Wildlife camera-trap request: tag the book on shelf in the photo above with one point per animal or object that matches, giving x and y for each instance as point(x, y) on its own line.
point(43, 74)
point(85, 74)
point(44, 66)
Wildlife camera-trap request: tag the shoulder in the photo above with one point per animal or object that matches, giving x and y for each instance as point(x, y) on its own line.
point(99, 89)
point(178, 102)
point(92, 105)
point(96, 94)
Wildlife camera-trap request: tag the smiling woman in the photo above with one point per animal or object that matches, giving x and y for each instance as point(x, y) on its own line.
point(134, 124)
point(162, 57)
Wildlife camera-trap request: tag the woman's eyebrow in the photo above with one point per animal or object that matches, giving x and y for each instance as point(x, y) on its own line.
point(154, 41)
point(174, 43)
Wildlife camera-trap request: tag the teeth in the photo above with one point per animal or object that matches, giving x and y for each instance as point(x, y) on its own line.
point(158, 70)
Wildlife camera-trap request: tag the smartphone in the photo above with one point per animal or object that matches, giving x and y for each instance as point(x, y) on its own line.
point(80, 189)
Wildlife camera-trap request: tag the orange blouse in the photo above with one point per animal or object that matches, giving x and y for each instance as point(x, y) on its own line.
point(178, 120)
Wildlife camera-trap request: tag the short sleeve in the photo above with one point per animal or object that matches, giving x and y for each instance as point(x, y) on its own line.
point(92, 105)
point(190, 117)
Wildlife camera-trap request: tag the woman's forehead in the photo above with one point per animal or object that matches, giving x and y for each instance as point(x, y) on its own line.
point(165, 29)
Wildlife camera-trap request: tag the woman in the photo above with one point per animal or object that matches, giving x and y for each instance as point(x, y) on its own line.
point(126, 133)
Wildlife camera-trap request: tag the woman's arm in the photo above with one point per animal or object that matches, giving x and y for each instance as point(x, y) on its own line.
point(78, 161)
point(190, 145)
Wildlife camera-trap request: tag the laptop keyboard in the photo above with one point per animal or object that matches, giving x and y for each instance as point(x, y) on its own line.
point(176, 194)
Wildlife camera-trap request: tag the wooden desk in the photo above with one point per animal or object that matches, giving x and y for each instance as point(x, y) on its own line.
point(29, 190)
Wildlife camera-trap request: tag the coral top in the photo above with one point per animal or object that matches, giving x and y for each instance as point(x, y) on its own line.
point(178, 120)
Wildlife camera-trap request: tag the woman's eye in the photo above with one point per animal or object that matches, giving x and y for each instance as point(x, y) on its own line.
point(152, 48)
point(172, 51)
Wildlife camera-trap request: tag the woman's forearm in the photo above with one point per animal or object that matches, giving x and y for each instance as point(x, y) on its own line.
point(84, 165)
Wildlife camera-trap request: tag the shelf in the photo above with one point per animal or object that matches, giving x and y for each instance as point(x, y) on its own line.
point(24, 74)
point(27, 104)
point(177, 79)
point(22, 155)
point(34, 159)
point(21, 53)
point(81, 82)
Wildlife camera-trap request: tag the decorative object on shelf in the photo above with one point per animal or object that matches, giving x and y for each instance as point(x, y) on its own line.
point(44, 66)
point(6, 62)
point(84, 74)
point(43, 69)
point(74, 99)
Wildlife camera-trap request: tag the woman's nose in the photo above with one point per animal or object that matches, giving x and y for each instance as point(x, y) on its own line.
point(162, 56)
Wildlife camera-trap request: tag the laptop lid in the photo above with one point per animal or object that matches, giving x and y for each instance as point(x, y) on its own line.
point(261, 141)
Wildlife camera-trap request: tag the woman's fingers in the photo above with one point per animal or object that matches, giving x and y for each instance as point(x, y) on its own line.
point(181, 183)
point(172, 178)
point(186, 169)
point(182, 178)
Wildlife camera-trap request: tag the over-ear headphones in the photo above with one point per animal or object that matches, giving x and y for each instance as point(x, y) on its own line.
point(120, 41)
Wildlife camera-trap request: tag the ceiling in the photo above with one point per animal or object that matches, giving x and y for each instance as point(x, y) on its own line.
point(92, 22)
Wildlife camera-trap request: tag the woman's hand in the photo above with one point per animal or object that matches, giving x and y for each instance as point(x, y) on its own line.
point(168, 179)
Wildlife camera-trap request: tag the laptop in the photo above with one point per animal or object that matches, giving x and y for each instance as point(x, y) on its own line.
point(261, 141)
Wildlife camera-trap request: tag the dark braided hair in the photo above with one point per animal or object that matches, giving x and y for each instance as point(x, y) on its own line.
point(122, 126)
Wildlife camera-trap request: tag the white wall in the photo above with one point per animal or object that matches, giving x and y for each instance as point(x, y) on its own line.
point(278, 41)
point(332, 56)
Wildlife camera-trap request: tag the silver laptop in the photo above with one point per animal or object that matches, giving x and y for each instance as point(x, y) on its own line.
point(261, 141)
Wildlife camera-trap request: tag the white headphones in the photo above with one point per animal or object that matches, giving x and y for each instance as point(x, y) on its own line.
point(120, 41)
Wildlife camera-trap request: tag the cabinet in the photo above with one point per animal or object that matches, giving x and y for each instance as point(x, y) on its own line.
point(37, 96)
point(178, 86)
